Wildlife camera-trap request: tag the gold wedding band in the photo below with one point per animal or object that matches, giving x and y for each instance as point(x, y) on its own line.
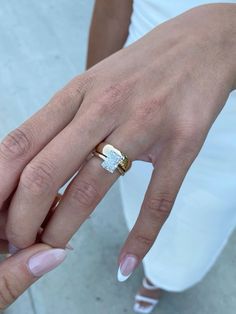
point(113, 158)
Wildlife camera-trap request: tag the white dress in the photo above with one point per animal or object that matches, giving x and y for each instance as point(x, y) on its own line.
point(204, 214)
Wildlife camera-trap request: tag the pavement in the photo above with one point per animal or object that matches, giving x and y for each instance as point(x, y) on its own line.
point(42, 46)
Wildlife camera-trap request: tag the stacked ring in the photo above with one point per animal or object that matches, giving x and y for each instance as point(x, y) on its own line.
point(113, 159)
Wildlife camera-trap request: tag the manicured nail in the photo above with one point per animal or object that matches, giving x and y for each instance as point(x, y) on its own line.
point(45, 261)
point(12, 249)
point(127, 266)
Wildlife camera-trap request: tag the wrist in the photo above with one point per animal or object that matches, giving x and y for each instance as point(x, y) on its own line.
point(227, 32)
point(231, 39)
point(218, 28)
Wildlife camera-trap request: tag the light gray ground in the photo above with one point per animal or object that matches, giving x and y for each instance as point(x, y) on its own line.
point(42, 46)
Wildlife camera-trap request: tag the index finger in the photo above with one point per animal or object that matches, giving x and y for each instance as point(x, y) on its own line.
point(22, 144)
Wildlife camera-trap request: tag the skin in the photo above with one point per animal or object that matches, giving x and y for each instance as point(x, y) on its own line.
point(15, 276)
point(108, 35)
point(109, 29)
point(155, 101)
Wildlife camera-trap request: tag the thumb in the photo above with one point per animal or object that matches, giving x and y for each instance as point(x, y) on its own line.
point(21, 270)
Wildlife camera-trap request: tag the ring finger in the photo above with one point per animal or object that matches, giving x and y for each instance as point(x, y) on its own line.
point(83, 195)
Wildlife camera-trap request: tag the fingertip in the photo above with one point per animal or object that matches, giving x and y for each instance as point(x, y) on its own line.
point(127, 266)
point(45, 261)
point(121, 277)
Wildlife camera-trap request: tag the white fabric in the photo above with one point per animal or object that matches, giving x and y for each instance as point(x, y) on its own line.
point(204, 214)
point(147, 286)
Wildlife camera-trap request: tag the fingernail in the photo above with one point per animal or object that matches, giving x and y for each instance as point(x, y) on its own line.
point(126, 268)
point(45, 261)
point(12, 249)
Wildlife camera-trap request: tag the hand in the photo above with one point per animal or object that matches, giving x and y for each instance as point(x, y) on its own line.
point(20, 271)
point(155, 101)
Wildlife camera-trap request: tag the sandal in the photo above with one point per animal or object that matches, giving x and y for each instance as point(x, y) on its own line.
point(140, 298)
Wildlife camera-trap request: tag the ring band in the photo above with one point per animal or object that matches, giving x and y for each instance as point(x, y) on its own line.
point(113, 159)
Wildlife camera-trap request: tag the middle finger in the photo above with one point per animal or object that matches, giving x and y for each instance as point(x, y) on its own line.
point(46, 173)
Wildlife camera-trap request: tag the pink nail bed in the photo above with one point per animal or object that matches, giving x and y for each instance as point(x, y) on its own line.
point(43, 262)
point(127, 266)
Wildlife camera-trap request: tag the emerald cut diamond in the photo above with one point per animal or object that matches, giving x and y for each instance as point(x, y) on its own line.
point(112, 161)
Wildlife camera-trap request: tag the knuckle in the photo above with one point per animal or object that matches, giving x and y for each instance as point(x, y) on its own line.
point(188, 131)
point(84, 194)
point(159, 207)
point(108, 100)
point(8, 291)
point(113, 92)
point(147, 112)
point(187, 140)
point(144, 240)
point(38, 177)
point(143, 115)
point(113, 95)
point(16, 144)
point(73, 91)
point(81, 83)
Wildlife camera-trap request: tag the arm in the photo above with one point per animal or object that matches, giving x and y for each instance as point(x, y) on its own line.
point(109, 28)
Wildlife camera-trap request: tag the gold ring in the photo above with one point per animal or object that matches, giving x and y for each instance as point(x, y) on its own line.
point(113, 158)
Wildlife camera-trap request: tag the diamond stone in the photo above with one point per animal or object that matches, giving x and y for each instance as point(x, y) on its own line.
point(112, 161)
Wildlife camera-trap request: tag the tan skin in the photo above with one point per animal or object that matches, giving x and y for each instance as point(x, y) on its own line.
point(108, 32)
point(155, 100)
point(15, 276)
point(109, 29)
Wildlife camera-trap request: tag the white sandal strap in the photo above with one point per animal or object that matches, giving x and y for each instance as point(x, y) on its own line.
point(143, 310)
point(140, 298)
point(147, 286)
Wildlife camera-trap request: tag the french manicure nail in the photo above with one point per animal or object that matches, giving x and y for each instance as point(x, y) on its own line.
point(45, 261)
point(126, 268)
point(12, 249)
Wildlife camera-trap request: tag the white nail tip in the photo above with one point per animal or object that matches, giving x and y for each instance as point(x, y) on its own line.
point(121, 277)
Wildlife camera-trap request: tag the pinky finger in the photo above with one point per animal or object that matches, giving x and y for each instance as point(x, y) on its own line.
point(157, 205)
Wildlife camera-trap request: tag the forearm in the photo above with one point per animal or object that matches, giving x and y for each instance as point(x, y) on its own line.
point(109, 28)
point(234, 42)
point(229, 40)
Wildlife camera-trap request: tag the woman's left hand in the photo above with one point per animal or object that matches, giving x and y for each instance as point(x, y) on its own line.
point(154, 100)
